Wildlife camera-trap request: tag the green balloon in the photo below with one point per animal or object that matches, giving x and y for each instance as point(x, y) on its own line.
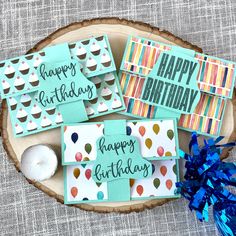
point(170, 134)
point(156, 182)
point(175, 169)
point(88, 148)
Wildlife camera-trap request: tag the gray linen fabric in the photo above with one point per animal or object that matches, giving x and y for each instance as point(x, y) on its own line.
point(25, 210)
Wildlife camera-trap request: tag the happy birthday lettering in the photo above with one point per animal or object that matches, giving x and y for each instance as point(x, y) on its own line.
point(118, 147)
point(62, 93)
point(120, 168)
point(171, 88)
point(57, 71)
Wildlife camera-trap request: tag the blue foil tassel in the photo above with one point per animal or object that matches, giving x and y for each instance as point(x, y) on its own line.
point(206, 177)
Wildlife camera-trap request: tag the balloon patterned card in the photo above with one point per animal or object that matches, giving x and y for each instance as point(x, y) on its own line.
point(119, 160)
point(165, 80)
point(65, 83)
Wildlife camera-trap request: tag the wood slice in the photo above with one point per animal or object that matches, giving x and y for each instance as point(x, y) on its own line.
point(118, 30)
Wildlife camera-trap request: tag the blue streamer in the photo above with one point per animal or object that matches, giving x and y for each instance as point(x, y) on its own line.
point(206, 177)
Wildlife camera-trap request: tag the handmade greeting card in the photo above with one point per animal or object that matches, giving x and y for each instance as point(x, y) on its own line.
point(119, 160)
point(63, 83)
point(160, 80)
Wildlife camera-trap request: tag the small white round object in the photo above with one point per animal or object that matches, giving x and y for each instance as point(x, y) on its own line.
point(39, 162)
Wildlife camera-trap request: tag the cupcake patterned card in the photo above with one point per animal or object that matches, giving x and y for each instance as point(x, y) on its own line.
point(32, 110)
point(139, 157)
point(215, 80)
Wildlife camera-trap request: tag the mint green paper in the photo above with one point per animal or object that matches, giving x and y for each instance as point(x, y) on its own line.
point(172, 83)
point(118, 160)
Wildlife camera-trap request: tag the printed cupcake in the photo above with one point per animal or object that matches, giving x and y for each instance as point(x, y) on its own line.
point(99, 38)
point(9, 72)
point(36, 111)
point(45, 122)
point(89, 110)
point(116, 104)
point(109, 78)
point(85, 42)
point(95, 49)
point(105, 60)
point(19, 83)
point(5, 86)
point(31, 126)
point(12, 103)
point(81, 53)
point(37, 61)
point(18, 129)
point(59, 119)
point(24, 68)
point(97, 81)
point(102, 107)
point(25, 100)
point(21, 115)
point(106, 93)
point(91, 64)
point(94, 101)
point(33, 79)
point(51, 110)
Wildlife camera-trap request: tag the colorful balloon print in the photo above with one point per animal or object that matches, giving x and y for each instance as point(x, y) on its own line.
point(156, 128)
point(74, 137)
point(156, 183)
point(169, 184)
point(160, 151)
point(86, 159)
point(128, 130)
point(78, 156)
point(168, 154)
point(98, 184)
point(153, 168)
point(131, 182)
point(175, 169)
point(170, 134)
point(65, 128)
point(88, 174)
point(74, 192)
point(163, 170)
point(76, 172)
point(139, 190)
point(88, 147)
point(142, 130)
point(100, 195)
point(148, 143)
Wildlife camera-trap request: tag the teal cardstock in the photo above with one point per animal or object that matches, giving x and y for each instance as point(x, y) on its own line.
point(63, 82)
point(20, 83)
point(172, 83)
point(119, 160)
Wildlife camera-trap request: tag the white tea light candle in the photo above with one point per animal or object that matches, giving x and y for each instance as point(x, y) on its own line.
point(39, 162)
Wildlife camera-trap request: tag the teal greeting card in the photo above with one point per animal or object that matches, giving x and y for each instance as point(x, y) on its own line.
point(157, 68)
point(120, 160)
point(63, 83)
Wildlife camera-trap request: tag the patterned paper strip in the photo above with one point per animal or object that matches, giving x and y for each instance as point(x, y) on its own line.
point(215, 76)
point(207, 116)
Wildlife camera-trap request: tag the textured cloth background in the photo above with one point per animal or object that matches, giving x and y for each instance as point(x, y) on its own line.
point(25, 210)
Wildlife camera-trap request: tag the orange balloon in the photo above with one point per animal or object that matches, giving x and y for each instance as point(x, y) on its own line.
point(169, 184)
point(163, 170)
point(139, 190)
point(74, 191)
point(76, 172)
point(65, 128)
point(142, 130)
point(131, 183)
